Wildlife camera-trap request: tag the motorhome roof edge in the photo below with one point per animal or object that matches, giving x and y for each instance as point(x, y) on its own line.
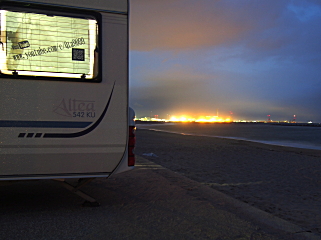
point(115, 6)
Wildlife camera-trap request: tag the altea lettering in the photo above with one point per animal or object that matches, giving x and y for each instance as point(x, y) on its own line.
point(75, 108)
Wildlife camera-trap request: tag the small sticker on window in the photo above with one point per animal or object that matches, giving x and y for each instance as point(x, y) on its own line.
point(21, 45)
point(24, 44)
point(78, 54)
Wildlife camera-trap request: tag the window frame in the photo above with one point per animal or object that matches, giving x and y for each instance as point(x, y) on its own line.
point(64, 12)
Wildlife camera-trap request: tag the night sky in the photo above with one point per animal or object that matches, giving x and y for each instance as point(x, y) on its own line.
point(251, 58)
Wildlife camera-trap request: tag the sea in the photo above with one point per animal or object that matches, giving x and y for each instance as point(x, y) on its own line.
point(306, 136)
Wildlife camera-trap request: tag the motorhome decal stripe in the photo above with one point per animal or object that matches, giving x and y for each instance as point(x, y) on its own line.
point(44, 124)
point(84, 132)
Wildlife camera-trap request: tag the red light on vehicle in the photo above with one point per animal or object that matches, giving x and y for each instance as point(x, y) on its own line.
point(131, 146)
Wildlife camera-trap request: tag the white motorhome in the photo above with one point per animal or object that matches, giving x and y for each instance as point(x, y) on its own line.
point(64, 89)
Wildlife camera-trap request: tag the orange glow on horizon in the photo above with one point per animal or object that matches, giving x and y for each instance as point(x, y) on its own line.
point(204, 119)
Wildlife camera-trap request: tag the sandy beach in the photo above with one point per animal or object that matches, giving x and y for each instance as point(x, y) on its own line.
point(282, 181)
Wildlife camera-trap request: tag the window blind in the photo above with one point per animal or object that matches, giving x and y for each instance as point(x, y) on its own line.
point(47, 45)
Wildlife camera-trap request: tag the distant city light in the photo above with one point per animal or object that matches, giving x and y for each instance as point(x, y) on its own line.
point(214, 119)
point(184, 118)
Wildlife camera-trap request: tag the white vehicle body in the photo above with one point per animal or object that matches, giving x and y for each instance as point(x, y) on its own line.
point(63, 89)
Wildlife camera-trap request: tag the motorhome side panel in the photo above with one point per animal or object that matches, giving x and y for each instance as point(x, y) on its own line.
point(61, 126)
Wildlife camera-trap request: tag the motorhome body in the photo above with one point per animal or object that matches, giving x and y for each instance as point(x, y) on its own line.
point(64, 89)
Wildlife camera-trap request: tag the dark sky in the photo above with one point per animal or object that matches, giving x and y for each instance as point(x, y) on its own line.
point(253, 58)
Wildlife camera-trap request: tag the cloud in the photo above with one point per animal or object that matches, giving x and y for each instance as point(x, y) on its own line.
point(176, 89)
point(260, 26)
point(181, 25)
point(305, 11)
point(250, 57)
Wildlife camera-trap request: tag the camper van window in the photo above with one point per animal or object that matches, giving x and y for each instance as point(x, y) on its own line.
point(48, 45)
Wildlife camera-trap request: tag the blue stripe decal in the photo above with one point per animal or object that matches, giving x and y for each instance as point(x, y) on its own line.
point(44, 124)
point(83, 132)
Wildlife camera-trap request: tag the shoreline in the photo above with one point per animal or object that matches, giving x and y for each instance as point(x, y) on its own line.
point(300, 148)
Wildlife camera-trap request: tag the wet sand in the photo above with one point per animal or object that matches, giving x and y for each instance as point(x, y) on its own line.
point(282, 181)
